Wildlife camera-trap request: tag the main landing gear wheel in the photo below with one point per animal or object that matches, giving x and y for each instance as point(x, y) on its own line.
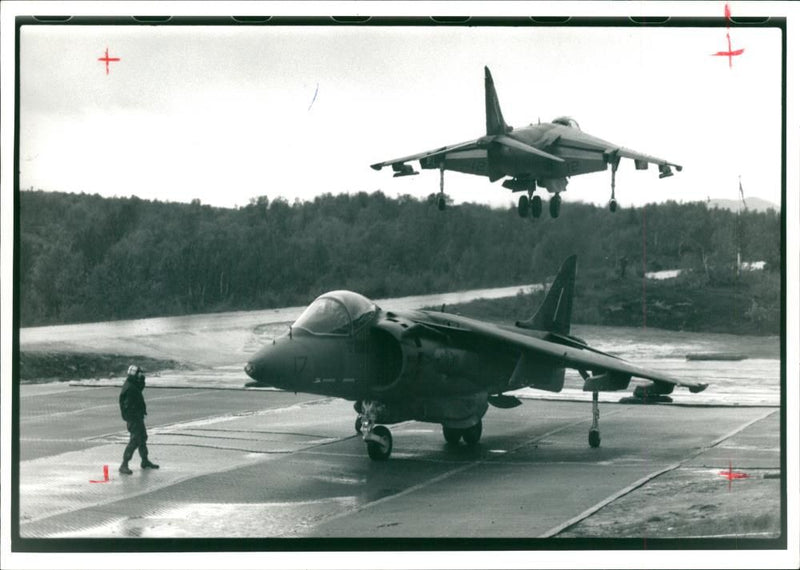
point(440, 203)
point(536, 206)
point(612, 205)
point(523, 206)
point(451, 435)
point(555, 206)
point(359, 421)
point(594, 438)
point(472, 435)
point(380, 447)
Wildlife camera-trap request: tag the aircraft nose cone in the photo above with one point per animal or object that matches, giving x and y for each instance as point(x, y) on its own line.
point(273, 365)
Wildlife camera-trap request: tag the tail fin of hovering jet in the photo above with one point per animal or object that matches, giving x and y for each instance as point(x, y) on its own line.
point(555, 313)
point(495, 125)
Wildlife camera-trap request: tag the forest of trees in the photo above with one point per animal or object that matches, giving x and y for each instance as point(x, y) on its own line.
point(88, 258)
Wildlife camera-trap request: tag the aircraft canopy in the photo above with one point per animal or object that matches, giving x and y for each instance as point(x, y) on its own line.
point(336, 313)
point(567, 122)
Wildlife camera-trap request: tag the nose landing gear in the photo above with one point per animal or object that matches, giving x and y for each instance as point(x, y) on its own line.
point(379, 443)
point(378, 438)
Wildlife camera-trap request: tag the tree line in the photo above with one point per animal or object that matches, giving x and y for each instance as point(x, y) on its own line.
point(86, 258)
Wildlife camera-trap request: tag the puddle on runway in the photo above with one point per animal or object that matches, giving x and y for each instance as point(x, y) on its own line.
point(218, 520)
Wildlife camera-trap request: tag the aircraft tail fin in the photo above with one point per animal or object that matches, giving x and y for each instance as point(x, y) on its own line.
point(495, 125)
point(555, 312)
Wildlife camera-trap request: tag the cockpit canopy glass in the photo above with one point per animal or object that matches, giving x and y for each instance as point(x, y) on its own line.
point(567, 122)
point(336, 313)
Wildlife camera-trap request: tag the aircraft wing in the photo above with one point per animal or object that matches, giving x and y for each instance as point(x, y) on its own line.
point(642, 158)
point(468, 145)
point(481, 143)
point(575, 357)
point(583, 142)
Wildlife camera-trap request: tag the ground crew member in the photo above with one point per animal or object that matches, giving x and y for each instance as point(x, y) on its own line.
point(133, 409)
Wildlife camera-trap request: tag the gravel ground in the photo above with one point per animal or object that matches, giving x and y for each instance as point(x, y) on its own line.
point(692, 502)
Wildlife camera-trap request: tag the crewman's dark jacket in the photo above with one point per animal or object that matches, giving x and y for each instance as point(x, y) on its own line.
point(131, 401)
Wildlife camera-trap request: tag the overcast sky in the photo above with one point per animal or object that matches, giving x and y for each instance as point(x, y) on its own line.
point(225, 114)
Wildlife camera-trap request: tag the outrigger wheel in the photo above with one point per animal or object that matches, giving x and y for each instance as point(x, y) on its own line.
point(612, 205)
point(594, 431)
point(441, 202)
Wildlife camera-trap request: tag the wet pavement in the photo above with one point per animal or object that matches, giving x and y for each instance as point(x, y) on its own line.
point(267, 464)
point(212, 339)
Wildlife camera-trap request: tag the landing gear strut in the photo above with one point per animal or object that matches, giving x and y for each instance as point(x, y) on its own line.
point(378, 438)
point(440, 201)
point(594, 431)
point(612, 205)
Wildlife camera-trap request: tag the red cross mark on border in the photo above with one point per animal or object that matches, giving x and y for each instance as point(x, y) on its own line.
point(107, 59)
point(730, 475)
point(731, 52)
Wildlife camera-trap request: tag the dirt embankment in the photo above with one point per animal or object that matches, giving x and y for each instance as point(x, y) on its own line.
point(37, 367)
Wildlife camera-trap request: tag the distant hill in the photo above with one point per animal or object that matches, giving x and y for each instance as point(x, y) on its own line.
point(754, 204)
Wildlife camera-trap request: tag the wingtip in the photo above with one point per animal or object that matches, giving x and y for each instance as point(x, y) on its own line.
point(697, 388)
point(377, 166)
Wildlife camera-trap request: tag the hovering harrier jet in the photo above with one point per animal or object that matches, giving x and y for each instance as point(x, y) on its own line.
point(436, 367)
point(542, 155)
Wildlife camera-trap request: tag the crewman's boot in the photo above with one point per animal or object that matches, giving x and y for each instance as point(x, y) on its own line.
point(147, 464)
point(125, 469)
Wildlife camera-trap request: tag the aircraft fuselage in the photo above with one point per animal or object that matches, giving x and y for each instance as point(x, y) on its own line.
point(578, 150)
point(381, 362)
point(437, 367)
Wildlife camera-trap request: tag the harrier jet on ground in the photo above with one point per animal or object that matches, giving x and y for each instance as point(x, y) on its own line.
point(542, 155)
point(436, 367)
